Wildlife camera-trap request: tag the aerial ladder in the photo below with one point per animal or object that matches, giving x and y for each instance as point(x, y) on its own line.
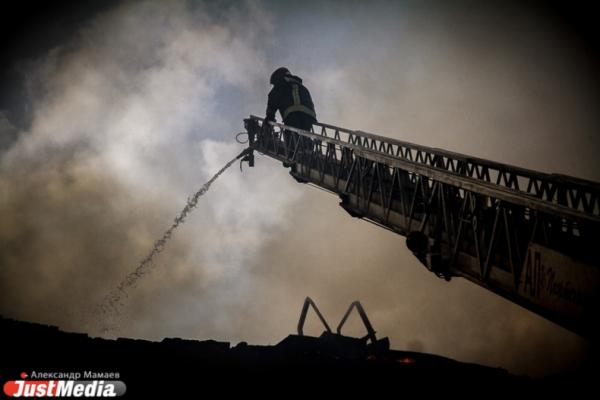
point(528, 236)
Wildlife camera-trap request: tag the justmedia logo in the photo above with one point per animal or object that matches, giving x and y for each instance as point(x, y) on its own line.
point(64, 388)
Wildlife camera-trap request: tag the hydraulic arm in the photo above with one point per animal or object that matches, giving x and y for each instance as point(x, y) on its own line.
point(528, 236)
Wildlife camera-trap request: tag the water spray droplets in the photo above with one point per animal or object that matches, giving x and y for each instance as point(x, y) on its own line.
point(114, 300)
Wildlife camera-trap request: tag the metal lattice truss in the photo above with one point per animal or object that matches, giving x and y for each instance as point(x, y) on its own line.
point(525, 235)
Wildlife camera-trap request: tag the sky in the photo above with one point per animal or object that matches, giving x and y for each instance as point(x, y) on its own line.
point(111, 116)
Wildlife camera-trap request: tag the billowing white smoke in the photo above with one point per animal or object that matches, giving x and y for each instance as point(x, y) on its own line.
point(129, 122)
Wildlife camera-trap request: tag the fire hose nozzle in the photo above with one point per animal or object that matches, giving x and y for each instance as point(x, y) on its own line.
point(247, 156)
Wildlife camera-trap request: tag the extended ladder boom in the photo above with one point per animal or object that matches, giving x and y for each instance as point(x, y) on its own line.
point(527, 236)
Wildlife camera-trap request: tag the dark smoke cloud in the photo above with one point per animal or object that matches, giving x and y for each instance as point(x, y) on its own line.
point(499, 82)
point(136, 111)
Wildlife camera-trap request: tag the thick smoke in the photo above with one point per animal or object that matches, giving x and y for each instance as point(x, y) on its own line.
point(127, 123)
point(130, 116)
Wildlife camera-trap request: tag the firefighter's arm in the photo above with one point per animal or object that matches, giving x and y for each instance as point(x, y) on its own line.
point(271, 107)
